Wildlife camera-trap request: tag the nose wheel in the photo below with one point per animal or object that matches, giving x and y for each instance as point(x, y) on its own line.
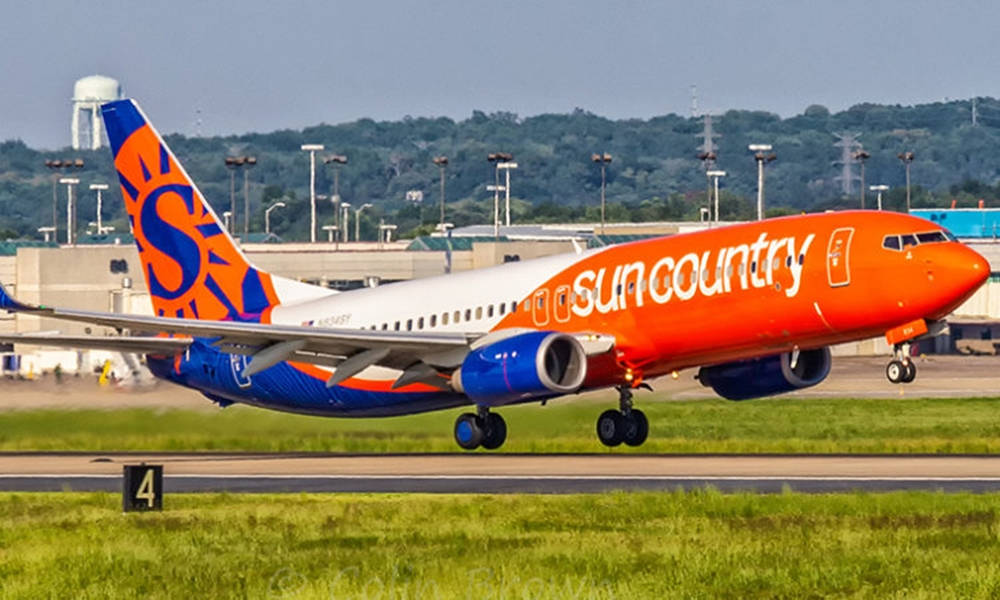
point(483, 428)
point(627, 425)
point(901, 369)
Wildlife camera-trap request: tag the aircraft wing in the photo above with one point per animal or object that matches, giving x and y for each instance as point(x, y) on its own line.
point(350, 350)
point(422, 356)
point(161, 346)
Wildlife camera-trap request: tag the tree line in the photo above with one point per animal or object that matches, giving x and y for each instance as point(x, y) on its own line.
point(655, 172)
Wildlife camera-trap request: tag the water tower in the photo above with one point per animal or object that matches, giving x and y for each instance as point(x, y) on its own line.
point(89, 94)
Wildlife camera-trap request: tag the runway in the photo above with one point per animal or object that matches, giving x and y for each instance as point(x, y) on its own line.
point(504, 473)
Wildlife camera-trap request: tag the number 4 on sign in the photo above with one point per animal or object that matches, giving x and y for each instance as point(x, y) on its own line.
point(146, 490)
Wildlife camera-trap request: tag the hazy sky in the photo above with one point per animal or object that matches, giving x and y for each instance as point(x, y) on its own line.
point(260, 65)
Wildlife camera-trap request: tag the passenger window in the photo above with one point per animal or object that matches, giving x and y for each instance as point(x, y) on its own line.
point(444, 318)
point(631, 288)
point(385, 326)
point(479, 312)
point(503, 307)
point(562, 299)
point(434, 321)
point(409, 324)
point(618, 290)
point(753, 267)
point(458, 316)
point(909, 240)
point(788, 261)
point(420, 323)
point(513, 306)
point(397, 325)
point(489, 311)
point(468, 314)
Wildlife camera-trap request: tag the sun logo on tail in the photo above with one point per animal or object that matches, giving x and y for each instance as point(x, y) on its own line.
point(193, 268)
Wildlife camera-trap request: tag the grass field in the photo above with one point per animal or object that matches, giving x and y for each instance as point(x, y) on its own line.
point(651, 545)
point(899, 425)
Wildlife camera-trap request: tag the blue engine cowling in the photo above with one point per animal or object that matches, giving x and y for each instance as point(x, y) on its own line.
point(538, 364)
point(777, 374)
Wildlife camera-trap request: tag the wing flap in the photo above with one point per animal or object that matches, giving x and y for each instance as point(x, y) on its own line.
point(136, 345)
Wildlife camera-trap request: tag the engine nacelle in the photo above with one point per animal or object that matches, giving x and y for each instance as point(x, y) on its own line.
point(777, 374)
point(536, 364)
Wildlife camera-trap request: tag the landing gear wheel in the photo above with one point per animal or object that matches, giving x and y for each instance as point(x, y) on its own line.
point(636, 428)
point(468, 431)
point(611, 428)
point(896, 371)
point(911, 371)
point(494, 432)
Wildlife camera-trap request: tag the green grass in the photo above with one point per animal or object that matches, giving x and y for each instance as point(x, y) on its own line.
point(899, 425)
point(650, 545)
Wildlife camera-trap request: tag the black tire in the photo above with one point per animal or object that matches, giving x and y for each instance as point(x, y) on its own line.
point(911, 371)
point(468, 431)
point(494, 432)
point(611, 428)
point(636, 428)
point(895, 371)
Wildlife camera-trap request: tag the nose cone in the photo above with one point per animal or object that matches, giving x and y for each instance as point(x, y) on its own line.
point(958, 272)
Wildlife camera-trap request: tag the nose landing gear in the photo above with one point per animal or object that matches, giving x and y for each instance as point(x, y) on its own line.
point(627, 425)
point(901, 369)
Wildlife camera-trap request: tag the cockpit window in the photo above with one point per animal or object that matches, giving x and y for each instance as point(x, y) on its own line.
point(909, 240)
point(950, 236)
point(932, 236)
point(891, 242)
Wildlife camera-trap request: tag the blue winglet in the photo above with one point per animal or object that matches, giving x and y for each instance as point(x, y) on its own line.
point(9, 303)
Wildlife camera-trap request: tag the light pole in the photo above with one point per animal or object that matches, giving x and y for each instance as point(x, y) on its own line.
point(312, 149)
point(708, 163)
point(385, 232)
point(227, 217)
point(507, 166)
point(907, 158)
point(99, 187)
point(761, 157)
point(70, 208)
point(234, 163)
point(336, 160)
point(497, 158)
point(330, 231)
point(346, 220)
point(861, 156)
point(603, 159)
point(442, 163)
point(496, 208)
point(879, 189)
point(267, 215)
point(248, 163)
point(357, 220)
point(48, 232)
point(716, 174)
point(55, 166)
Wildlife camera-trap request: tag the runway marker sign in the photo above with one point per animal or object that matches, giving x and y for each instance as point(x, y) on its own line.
point(142, 488)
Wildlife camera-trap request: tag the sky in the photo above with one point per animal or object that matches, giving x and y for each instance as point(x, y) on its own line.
point(259, 65)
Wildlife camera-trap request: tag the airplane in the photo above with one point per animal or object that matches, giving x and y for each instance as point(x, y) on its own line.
point(754, 307)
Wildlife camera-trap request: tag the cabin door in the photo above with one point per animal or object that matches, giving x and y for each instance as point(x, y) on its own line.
point(838, 257)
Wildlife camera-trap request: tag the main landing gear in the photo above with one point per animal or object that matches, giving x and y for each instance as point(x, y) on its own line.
point(901, 369)
point(628, 425)
point(483, 428)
